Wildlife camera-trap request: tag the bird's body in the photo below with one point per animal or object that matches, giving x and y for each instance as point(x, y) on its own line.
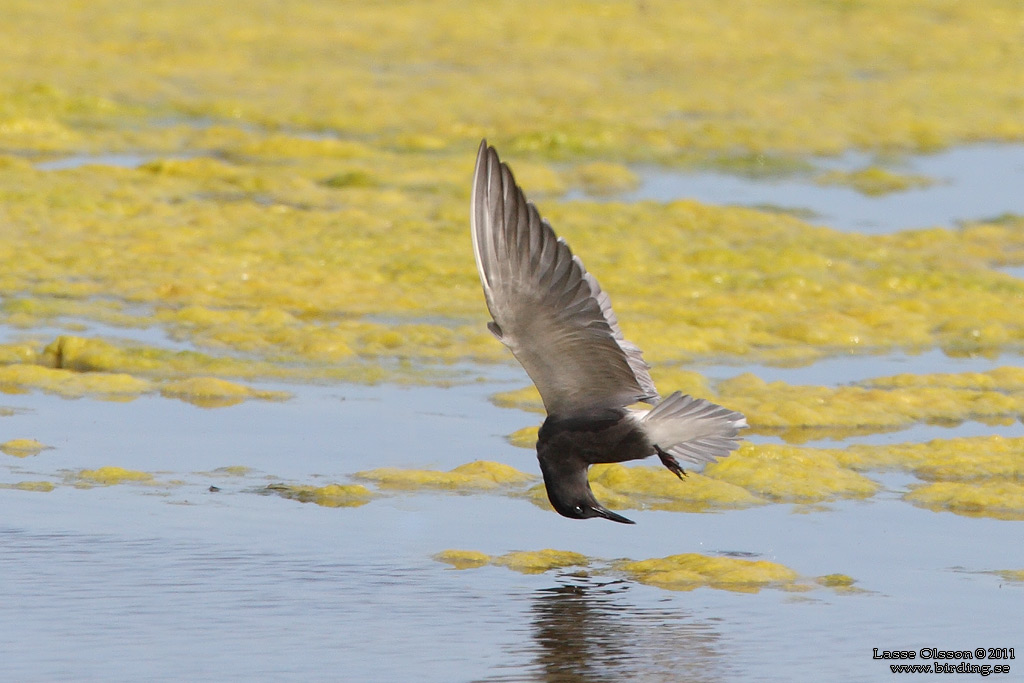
point(560, 326)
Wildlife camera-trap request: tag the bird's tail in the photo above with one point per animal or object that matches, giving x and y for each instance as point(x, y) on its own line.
point(693, 429)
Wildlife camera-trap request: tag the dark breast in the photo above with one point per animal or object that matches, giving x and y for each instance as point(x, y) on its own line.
point(604, 435)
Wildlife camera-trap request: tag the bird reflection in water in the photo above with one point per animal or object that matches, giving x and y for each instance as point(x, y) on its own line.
point(588, 631)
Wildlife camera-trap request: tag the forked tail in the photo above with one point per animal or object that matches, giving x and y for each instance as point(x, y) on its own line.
point(693, 429)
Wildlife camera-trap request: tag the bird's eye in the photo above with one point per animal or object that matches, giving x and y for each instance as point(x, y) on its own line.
point(578, 509)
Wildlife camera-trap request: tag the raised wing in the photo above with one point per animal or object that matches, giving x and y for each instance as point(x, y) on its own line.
point(546, 307)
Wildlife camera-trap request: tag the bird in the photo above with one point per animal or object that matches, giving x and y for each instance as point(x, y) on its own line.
point(559, 324)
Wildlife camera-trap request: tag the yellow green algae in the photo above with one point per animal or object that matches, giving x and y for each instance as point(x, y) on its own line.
point(971, 475)
point(874, 180)
point(463, 559)
point(797, 411)
point(655, 488)
point(22, 448)
point(110, 475)
point(960, 459)
point(318, 220)
point(314, 227)
point(800, 412)
point(311, 286)
point(331, 495)
point(473, 476)
point(71, 384)
point(789, 474)
point(693, 570)
point(1016, 575)
point(524, 438)
point(41, 486)
point(522, 561)
point(1005, 379)
point(603, 178)
point(682, 572)
point(777, 76)
point(230, 471)
point(211, 392)
point(539, 561)
point(841, 583)
point(74, 366)
point(998, 499)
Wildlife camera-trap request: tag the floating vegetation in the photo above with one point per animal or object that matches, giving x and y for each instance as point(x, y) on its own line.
point(539, 561)
point(997, 499)
point(789, 474)
point(40, 486)
point(692, 570)
point(211, 392)
point(684, 572)
point(801, 412)
point(798, 411)
point(110, 475)
point(480, 475)
point(986, 469)
point(875, 180)
point(332, 495)
point(655, 488)
point(603, 178)
point(22, 448)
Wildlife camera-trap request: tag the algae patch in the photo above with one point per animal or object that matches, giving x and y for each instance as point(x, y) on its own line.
point(332, 495)
point(480, 475)
point(109, 476)
point(601, 178)
point(682, 572)
point(74, 366)
point(655, 488)
point(688, 571)
point(1015, 575)
point(22, 448)
point(69, 384)
point(524, 562)
point(987, 498)
point(40, 486)
point(539, 561)
point(789, 474)
point(963, 459)
point(874, 180)
point(463, 559)
point(798, 412)
point(210, 392)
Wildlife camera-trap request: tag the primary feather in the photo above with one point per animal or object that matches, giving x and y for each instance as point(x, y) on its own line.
point(546, 307)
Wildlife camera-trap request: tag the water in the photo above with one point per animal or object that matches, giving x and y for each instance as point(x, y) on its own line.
point(173, 581)
point(974, 182)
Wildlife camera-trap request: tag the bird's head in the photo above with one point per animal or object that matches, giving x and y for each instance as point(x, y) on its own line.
point(569, 491)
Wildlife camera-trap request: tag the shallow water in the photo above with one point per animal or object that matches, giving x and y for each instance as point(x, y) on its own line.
point(173, 580)
point(972, 183)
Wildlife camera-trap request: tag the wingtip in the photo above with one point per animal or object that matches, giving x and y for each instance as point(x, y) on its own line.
point(481, 155)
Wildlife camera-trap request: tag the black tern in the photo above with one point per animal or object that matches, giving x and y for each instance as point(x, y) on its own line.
point(559, 324)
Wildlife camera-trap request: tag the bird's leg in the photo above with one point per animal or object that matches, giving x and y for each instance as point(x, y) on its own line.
point(670, 462)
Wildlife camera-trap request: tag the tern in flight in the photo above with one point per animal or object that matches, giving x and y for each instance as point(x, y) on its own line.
point(559, 325)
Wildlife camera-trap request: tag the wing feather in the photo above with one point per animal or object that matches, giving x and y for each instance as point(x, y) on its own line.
point(546, 307)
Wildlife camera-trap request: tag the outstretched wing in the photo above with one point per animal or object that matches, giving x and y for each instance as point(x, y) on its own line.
point(546, 307)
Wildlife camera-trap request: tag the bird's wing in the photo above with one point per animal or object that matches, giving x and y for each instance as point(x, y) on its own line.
point(546, 307)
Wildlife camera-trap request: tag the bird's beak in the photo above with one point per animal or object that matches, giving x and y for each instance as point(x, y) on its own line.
point(608, 514)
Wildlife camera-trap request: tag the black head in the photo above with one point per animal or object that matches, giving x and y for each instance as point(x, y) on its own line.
point(569, 491)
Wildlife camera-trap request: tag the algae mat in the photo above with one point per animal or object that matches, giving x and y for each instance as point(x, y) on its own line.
point(251, 421)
